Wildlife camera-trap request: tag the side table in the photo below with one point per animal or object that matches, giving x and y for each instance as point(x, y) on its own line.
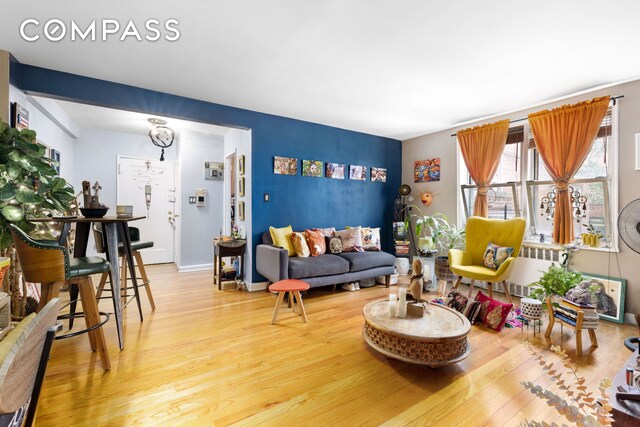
point(223, 249)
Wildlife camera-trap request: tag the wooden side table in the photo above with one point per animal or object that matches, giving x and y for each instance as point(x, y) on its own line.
point(578, 327)
point(223, 249)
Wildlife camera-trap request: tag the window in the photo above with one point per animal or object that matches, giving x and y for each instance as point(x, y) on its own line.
point(594, 185)
point(503, 198)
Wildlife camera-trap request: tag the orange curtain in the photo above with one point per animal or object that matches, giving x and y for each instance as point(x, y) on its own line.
point(563, 137)
point(482, 147)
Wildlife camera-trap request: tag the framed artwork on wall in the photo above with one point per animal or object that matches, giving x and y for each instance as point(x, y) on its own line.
point(378, 174)
point(241, 210)
point(426, 170)
point(241, 186)
point(55, 156)
point(285, 165)
point(334, 170)
point(357, 173)
point(19, 116)
point(241, 165)
point(609, 296)
point(313, 168)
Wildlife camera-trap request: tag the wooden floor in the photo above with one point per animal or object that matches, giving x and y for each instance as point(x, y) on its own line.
point(209, 357)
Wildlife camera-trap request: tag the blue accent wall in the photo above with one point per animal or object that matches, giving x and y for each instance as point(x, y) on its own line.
point(300, 201)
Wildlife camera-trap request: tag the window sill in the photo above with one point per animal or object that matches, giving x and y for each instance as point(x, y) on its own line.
point(535, 244)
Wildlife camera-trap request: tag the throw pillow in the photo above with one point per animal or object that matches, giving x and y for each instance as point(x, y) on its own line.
point(493, 313)
point(371, 239)
point(351, 239)
point(300, 245)
point(495, 255)
point(328, 232)
point(456, 300)
point(335, 245)
point(316, 242)
point(282, 238)
point(472, 310)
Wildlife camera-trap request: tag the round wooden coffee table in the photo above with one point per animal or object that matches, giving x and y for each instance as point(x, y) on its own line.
point(438, 338)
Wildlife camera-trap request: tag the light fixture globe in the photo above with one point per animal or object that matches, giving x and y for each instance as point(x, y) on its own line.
point(404, 190)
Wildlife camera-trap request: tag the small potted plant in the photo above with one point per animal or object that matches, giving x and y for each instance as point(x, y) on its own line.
point(592, 237)
point(555, 282)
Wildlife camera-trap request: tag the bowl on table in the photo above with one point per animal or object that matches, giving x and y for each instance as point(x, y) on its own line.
point(93, 212)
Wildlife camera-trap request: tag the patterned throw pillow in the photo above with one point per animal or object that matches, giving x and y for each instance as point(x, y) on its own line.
point(371, 239)
point(493, 313)
point(335, 245)
point(282, 238)
point(316, 242)
point(495, 255)
point(327, 232)
point(456, 300)
point(300, 245)
point(472, 310)
point(351, 239)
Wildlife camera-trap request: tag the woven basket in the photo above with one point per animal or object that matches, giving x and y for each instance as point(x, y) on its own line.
point(443, 272)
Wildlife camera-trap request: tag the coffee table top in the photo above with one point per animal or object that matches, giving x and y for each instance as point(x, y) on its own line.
point(440, 323)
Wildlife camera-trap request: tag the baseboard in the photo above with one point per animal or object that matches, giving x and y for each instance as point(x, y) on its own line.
point(630, 318)
point(258, 286)
point(195, 267)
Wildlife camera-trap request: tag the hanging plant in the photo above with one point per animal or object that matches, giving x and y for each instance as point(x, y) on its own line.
point(29, 188)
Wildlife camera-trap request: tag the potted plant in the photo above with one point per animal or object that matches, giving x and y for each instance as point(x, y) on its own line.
point(29, 188)
point(592, 237)
point(426, 227)
point(555, 282)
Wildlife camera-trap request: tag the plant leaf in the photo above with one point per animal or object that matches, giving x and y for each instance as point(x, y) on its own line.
point(12, 213)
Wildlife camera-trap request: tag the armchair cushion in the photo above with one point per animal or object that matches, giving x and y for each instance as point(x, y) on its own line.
point(495, 255)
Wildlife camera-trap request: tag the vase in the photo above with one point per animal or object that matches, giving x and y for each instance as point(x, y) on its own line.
point(402, 265)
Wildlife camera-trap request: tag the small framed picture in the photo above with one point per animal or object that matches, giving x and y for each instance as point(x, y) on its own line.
point(313, 168)
point(378, 174)
point(358, 173)
point(285, 165)
point(241, 210)
point(241, 165)
point(241, 186)
point(609, 296)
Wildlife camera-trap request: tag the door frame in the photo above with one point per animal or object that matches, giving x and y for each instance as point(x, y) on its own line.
point(177, 235)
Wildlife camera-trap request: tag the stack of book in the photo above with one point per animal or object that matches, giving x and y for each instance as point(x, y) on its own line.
point(402, 248)
point(567, 311)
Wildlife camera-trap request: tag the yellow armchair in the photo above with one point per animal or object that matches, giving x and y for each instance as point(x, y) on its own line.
point(479, 233)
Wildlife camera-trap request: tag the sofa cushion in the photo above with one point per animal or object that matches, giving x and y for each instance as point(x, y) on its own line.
point(323, 265)
point(359, 261)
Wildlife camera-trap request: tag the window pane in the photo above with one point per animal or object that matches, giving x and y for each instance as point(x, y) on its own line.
point(499, 201)
point(595, 164)
point(509, 168)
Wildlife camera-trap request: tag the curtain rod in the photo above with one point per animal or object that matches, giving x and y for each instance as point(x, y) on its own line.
point(613, 98)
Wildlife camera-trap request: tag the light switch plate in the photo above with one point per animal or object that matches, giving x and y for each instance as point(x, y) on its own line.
point(192, 200)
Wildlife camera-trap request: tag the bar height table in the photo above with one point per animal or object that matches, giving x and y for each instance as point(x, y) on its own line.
point(112, 226)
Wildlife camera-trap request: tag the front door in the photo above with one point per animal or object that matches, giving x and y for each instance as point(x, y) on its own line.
point(149, 186)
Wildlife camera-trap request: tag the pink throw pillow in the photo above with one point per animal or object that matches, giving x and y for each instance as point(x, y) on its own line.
point(492, 313)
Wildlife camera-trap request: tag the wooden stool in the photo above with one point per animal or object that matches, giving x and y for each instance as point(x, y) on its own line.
point(294, 287)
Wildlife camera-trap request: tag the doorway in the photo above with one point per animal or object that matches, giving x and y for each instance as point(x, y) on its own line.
point(149, 186)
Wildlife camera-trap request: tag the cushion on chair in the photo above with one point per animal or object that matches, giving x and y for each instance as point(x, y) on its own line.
point(477, 272)
point(495, 255)
point(85, 266)
point(359, 261)
point(136, 246)
point(323, 265)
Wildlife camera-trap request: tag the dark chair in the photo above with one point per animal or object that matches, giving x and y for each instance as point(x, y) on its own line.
point(48, 263)
point(24, 353)
point(136, 247)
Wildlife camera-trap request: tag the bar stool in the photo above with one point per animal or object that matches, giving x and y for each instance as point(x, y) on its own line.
point(136, 246)
point(294, 287)
point(48, 263)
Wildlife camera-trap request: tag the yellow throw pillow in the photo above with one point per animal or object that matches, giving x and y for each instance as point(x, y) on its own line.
point(282, 238)
point(300, 245)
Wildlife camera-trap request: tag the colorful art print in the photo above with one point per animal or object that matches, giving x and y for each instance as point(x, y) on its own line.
point(426, 170)
point(334, 170)
point(19, 116)
point(609, 296)
point(378, 174)
point(358, 173)
point(285, 166)
point(313, 168)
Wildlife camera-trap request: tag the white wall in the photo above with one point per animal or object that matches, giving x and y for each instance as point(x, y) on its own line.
point(240, 141)
point(49, 133)
point(443, 145)
point(199, 224)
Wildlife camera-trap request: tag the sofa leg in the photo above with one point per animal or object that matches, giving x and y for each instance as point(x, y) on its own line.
point(387, 280)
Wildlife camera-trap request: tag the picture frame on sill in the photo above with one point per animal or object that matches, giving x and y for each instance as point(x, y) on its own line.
point(611, 296)
point(241, 165)
point(241, 186)
point(241, 210)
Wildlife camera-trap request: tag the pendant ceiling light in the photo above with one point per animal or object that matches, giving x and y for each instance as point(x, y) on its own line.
point(161, 135)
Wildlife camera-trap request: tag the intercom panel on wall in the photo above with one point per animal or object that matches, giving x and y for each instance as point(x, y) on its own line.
point(213, 170)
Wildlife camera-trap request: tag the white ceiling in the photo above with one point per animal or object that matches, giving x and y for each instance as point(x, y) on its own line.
point(89, 116)
point(393, 68)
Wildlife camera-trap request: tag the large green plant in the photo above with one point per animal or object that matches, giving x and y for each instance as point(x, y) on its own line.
point(442, 234)
point(555, 281)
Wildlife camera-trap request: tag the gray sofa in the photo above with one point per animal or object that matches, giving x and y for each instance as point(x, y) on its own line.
point(275, 264)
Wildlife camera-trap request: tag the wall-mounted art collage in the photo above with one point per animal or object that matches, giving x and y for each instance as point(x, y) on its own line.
point(319, 169)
